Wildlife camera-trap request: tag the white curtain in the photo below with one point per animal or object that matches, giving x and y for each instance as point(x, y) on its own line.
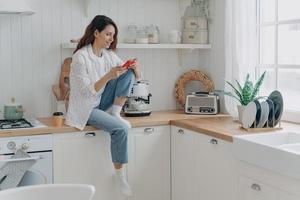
point(241, 42)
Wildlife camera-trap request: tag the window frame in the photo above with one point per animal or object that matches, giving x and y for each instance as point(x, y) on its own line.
point(288, 115)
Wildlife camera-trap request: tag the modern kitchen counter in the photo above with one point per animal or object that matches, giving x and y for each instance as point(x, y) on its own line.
point(220, 126)
point(225, 127)
point(155, 119)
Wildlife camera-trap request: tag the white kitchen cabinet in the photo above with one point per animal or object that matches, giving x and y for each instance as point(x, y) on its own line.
point(149, 163)
point(215, 164)
point(183, 164)
point(257, 183)
point(84, 157)
point(251, 189)
point(202, 167)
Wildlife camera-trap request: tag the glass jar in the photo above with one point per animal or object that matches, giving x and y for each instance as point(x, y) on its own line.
point(131, 34)
point(141, 35)
point(153, 34)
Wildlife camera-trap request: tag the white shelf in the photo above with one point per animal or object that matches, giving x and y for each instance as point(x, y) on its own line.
point(149, 46)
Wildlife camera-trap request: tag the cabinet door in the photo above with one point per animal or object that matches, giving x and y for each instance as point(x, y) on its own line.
point(215, 168)
point(202, 167)
point(249, 189)
point(183, 164)
point(84, 157)
point(149, 163)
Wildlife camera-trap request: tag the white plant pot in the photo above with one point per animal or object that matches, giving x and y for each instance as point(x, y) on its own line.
point(241, 109)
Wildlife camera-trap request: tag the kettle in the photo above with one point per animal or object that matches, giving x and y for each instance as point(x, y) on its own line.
point(13, 111)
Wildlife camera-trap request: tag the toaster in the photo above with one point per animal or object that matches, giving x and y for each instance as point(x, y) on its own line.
point(202, 103)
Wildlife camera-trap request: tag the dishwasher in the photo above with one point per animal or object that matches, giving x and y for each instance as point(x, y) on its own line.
point(39, 148)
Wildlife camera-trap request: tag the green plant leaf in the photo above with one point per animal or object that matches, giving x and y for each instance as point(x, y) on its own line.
point(235, 90)
point(239, 86)
point(258, 85)
point(247, 91)
point(247, 79)
point(231, 95)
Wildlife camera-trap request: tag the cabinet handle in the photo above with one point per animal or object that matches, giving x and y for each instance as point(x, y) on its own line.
point(214, 141)
point(148, 130)
point(90, 134)
point(255, 187)
point(180, 131)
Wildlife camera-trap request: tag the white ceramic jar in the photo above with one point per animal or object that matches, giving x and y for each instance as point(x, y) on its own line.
point(174, 37)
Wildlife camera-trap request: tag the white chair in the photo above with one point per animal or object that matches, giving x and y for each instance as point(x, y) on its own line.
point(49, 192)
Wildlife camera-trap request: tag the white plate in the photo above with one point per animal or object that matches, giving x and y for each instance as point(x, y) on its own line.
point(264, 114)
point(249, 115)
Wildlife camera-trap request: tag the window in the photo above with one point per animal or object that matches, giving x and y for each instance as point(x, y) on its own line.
point(279, 51)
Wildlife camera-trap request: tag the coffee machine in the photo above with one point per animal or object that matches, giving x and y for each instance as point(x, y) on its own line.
point(138, 102)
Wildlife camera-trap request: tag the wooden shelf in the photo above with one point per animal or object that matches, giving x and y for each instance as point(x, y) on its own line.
point(149, 46)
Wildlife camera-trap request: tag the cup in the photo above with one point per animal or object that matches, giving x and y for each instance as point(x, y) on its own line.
point(58, 119)
point(174, 36)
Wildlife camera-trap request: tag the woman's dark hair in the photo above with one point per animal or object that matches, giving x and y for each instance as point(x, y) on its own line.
point(98, 23)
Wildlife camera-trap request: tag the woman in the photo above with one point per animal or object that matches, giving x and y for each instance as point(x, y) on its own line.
point(98, 83)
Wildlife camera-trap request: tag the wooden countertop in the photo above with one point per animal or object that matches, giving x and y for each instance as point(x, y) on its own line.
point(220, 126)
point(225, 127)
point(155, 119)
point(164, 118)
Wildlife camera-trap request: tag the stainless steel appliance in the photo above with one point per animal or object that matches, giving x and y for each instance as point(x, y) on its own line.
point(39, 148)
point(202, 103)
point(138, 103)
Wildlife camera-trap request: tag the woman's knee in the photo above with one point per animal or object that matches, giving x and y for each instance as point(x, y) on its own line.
point(129, 75)
point(121, 128)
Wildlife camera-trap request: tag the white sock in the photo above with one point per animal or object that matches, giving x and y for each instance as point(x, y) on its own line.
point(122, 182)
point(115, 111)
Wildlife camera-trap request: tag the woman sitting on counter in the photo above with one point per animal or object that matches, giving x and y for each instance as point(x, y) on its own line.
point(99, 86)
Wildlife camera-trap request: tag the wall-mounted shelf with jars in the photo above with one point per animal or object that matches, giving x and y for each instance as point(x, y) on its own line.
point(149, 46)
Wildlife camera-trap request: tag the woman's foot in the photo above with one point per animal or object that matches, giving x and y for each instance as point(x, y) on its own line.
point(122, 183)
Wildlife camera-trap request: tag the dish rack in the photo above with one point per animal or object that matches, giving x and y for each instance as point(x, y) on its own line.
point(267, 128)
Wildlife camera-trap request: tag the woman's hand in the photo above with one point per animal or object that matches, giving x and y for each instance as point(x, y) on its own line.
point(136, 68)
point(115, 72)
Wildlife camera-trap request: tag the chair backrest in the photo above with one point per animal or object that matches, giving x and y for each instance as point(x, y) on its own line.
point(49, 192)
point(64, 84)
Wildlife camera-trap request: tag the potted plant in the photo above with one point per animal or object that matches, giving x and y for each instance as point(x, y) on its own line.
point(246, 93)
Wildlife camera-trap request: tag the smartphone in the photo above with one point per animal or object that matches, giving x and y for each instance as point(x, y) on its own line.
point(128, 63)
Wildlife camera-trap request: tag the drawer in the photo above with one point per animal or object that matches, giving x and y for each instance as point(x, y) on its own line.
point(250, 189)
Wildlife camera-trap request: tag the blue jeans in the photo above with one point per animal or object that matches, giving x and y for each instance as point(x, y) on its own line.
point(120, 87)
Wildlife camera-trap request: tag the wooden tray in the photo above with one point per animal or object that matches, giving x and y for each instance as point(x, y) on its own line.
point(262, 129)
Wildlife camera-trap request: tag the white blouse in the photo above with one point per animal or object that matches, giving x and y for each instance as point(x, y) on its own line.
point(86, 69)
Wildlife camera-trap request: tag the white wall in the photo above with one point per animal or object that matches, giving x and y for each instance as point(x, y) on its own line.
point(30, 52)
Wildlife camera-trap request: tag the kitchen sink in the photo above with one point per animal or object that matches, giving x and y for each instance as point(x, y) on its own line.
point(294, 148)
point(278, 151)
point(273, 139)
